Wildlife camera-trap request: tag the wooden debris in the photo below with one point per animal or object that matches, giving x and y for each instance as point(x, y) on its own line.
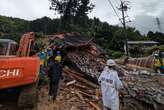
point(95, 106)
point(81, 86)
point(97, 93)
point(81, 79)
point(79, 95)
point(86, 94)
point(143, 87)
point(71, 82)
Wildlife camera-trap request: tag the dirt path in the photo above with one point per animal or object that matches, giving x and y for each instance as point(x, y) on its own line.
point(66, 100)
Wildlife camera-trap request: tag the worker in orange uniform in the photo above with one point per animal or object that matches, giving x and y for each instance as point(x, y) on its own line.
point(55, 74)
point(110, 86)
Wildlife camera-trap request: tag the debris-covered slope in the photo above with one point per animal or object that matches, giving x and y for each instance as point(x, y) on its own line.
point(82, 54)
point(144, 90)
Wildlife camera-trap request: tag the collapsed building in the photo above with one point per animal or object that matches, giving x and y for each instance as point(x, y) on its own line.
point(81, 53)
point(144, 89)
point(85, 61)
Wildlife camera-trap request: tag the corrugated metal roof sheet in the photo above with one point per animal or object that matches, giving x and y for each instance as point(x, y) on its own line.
point(143, 42)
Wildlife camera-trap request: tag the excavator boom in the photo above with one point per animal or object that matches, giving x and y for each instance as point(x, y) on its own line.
point(26, 42)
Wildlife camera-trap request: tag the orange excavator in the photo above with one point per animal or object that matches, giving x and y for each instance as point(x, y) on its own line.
point(19, 68)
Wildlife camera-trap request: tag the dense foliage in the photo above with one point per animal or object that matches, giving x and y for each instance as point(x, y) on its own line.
point(107, 36)
point(69, 8)
point(74, 18)
point(73, 12)
point(157, 36)
point(12, 27)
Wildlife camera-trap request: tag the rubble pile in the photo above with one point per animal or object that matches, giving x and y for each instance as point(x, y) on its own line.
point(75, 94)
point(146, 62)
point(84, 89)
point(85, 61)
point(82, 54)
point(144, 90)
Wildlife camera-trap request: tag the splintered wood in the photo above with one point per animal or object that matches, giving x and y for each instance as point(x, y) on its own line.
point(85, 90)
point(85, 62)
point(75, 94)
point(73, 74)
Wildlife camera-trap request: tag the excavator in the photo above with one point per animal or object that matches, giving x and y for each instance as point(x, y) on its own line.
point(19, 68)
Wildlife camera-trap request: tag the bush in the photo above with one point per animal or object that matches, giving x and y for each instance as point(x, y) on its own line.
point(154, 48)
point(114, 54)
point(136, 51)
point(117, 54)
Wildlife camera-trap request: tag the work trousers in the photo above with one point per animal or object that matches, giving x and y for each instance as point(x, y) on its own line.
point(53, 88)
point(42, 76)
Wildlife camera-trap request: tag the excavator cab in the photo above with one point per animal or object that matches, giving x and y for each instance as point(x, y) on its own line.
point(7, 47)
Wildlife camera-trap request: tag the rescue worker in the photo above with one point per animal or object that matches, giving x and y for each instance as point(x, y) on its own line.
point(58, 56)
point(55, 74)
point(42, 74)
point(161, 58)
point(159, 63)
point(110, 86)
point(42, 56)
point(49, 53)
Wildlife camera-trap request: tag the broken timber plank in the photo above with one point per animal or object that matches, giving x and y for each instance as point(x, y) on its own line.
point(98, 93)
point(95, 106)
point(86, 94)
point(71, 82)
point(79, 95)
point(81, 86)
point(82, 79)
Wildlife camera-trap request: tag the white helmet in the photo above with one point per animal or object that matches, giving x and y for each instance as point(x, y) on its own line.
point(111, 62)
point(156, 54)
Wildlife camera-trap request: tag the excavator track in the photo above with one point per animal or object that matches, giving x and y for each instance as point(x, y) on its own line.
point(28, 97)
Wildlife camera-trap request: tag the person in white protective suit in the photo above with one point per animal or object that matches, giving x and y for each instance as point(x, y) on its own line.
point(110, 86)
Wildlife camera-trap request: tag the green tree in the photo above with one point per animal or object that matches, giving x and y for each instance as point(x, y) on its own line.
point(73, 12)
point(69, 8)
point(157, 36)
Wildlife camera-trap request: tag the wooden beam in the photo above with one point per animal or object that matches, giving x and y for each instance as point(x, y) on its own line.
point(95, 106)
point(81, 79)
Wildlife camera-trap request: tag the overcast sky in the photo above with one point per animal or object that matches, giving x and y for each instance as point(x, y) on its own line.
point(142, 12)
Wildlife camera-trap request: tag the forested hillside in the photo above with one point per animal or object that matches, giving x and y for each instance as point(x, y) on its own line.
point(111, 38)
point(12, 27)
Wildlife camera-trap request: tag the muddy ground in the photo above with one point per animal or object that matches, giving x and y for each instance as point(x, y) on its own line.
point(8, 101)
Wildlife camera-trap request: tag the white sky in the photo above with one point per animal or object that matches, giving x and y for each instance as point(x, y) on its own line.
point(142, 12)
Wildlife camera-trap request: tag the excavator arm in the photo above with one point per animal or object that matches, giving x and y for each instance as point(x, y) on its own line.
point(25, 45)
